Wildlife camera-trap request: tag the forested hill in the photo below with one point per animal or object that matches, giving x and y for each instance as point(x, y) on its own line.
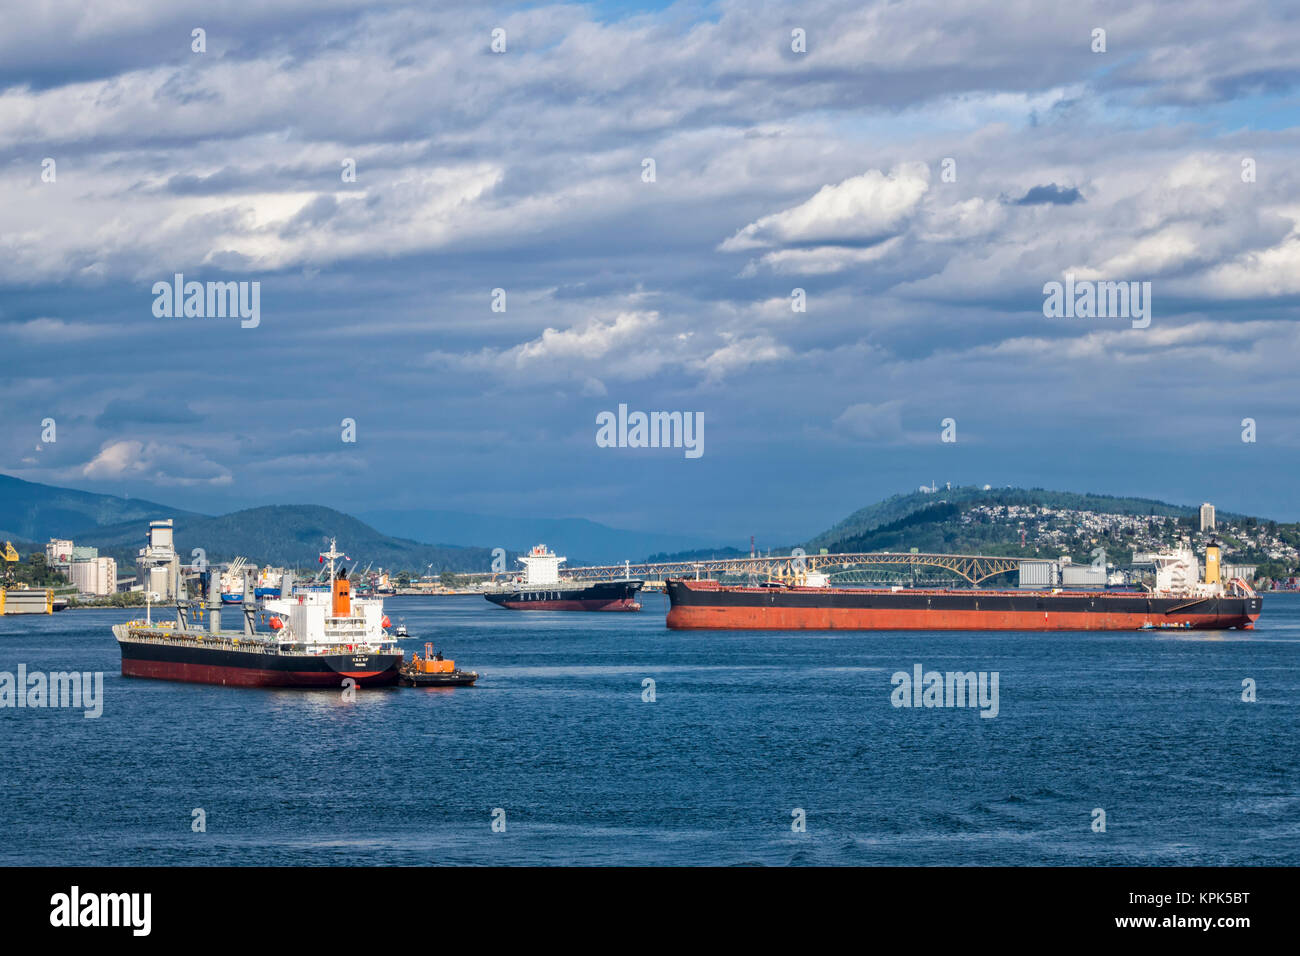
point(978, 520)
point(291, 535)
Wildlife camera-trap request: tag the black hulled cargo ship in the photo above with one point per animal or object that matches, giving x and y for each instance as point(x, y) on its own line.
point(167, 654)
point(601, 596)
point(319, 637)
point(540, 589)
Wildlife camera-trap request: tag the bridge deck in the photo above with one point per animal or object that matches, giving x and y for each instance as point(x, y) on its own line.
point(973, 567)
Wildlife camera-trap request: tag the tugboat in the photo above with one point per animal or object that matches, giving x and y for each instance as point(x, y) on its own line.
point(400, 630)
point(540, 589)
point(432, 671)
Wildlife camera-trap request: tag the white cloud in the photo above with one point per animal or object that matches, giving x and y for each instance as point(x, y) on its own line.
point(1265, 273)
point(46, 329)
point(880, 422)
point(865, 207)
point(156, 462)
point(822, 260)
point(590, 342)
point(740, 353)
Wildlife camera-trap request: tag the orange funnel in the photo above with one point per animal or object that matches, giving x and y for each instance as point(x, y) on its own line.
point(342, 598)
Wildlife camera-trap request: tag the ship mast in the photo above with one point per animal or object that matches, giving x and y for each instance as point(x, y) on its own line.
point(333, 554)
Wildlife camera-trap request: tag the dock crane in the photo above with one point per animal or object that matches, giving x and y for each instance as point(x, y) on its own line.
point(10, 555)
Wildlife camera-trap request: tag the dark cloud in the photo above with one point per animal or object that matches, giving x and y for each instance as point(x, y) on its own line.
point(1049, 194)
point(158, 409)
point(523, 172)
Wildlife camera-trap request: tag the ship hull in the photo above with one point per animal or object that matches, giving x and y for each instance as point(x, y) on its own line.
point(200, 665)
point(707, 605)
point(602, 596)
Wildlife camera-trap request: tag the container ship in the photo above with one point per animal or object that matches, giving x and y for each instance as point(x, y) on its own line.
point(540, 589)
point(1180, 599)
point(318, 637)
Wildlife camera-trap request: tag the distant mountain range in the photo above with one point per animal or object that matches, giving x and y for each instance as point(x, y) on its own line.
point(416, 540)
point(579, 539)
point(289, 535)
point(32, 513)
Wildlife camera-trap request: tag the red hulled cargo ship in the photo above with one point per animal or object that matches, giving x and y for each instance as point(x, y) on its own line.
point(1178, 601)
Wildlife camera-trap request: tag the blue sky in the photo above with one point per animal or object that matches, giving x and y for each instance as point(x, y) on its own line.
point(774, 171)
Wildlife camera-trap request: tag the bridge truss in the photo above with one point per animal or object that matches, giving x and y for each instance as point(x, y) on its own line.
point(974, 568)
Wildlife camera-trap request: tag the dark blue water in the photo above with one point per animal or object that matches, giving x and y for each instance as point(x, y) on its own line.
point(745, 728)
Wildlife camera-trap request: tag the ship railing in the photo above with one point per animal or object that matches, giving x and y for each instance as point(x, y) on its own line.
point(260, 645)
point(254, 644)
point(345, 648)
point(158, 634)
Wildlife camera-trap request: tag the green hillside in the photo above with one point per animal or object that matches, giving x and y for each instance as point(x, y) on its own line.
point(893, 512)
point(973, 520)
point(291, 535)
point(31, 512)
point(699, 554)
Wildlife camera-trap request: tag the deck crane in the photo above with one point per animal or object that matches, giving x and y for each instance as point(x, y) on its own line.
point(10, 555)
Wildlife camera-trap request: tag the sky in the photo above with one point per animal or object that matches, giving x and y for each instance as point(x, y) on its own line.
point(854, 214)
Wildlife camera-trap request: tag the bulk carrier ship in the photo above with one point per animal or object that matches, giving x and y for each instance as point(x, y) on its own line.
point(540, 589)
point(1180, 599)
point(318, 637)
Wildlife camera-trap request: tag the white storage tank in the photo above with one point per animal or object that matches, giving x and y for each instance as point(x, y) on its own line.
point(1083, 576)
point(1039, 574)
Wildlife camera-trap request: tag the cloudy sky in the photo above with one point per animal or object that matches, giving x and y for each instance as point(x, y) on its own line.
point(921, 171)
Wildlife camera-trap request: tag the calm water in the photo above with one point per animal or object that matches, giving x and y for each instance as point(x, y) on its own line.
point(745, 728)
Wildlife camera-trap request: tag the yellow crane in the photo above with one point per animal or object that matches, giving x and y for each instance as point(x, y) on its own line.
point(10, 555)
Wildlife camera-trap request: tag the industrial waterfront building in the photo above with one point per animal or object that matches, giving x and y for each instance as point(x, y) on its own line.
point(82, 566)
point(97, 576)
point(158, 566)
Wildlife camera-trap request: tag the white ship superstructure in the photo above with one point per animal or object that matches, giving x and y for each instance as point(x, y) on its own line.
point(328, 615)
point(541, 567)
point(1178, 574)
